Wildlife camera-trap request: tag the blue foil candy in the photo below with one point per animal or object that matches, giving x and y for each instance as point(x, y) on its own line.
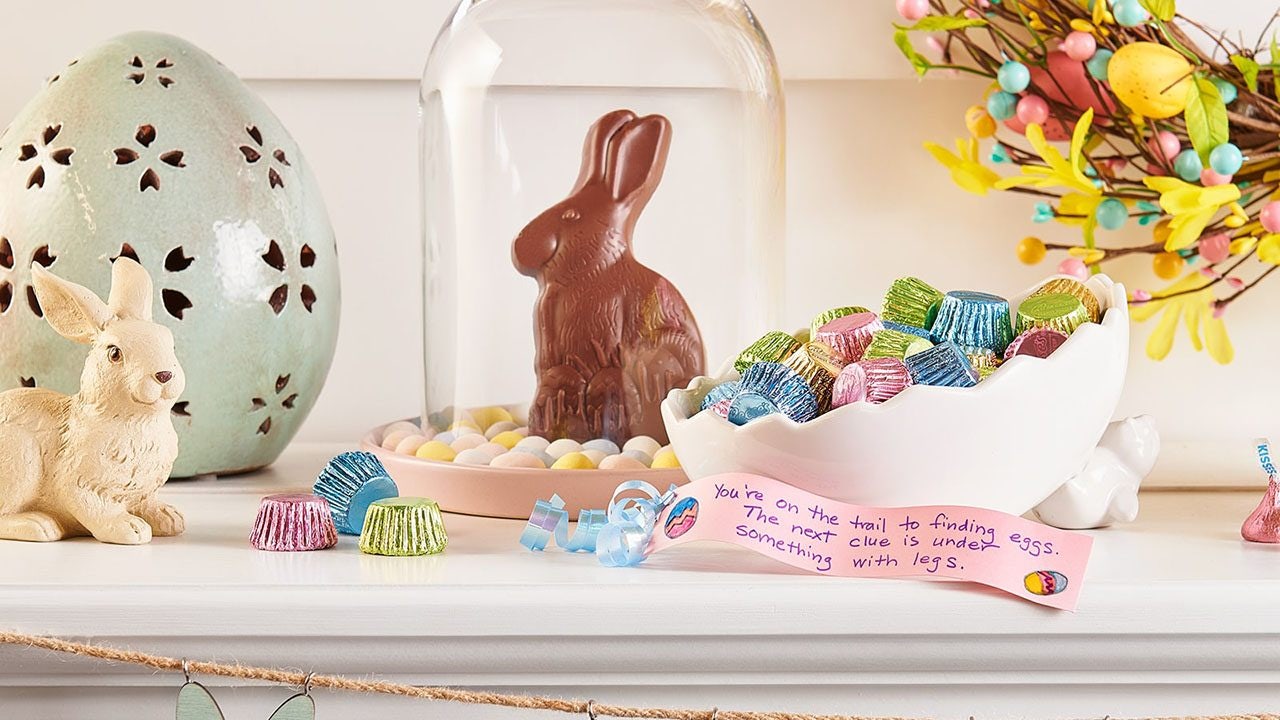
point(909, 329)
point(750, 405)
point(974, 319)
point(784, 387)
point(723, 391)
point(351, 482)
point(944, 365)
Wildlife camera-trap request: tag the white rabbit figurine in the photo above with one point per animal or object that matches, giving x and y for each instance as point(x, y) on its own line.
point(91, 463)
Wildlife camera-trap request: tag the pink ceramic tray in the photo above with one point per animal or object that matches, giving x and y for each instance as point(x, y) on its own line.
point(507, 492)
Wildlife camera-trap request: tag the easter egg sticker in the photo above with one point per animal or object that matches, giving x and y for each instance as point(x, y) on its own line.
point(682, 518)
point(1045, 582)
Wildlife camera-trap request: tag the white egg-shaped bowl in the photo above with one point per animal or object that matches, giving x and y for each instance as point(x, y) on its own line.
point(1006, 444)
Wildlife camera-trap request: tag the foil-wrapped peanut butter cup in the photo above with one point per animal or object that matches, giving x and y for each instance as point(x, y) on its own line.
point(403, 527)
point(293, 523)
point(873, 381)
point(351, 482)
point(1059, 311)
point(823, 318)
point(895, 344)
point(942, 365)
point(1036, 342)
point(974, 320)
point(849, 335)
point(818, 365)
point(774, 346)
point(911, 301)
point(1075, 288)
point(784, 387)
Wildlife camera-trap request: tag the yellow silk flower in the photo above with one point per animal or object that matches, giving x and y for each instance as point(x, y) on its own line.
point(1192, 207)
point(1269, 249)
point(966, 170)
point(1196, 308)
point(1078, 207)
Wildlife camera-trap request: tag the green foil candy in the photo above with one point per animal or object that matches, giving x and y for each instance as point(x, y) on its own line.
point(403, 527)
point(775, 346)
point(832, 314)
point(1059, 311)
point(911, 301)
point(895, 344)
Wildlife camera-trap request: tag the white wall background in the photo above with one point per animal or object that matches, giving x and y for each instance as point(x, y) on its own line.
point(866, 203)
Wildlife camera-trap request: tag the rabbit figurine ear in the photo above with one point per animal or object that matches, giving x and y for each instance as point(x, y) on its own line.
point(75, 312)
point(131, 293)
point(595, 151)
point(637, 158)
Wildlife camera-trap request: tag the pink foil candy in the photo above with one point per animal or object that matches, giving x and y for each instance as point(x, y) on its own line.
point(1263, 524)
point(722, 408)
point(850, 335)
point(1036, 342)
point(873, 381)
point(293, 523)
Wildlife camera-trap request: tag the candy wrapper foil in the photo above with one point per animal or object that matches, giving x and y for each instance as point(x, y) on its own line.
point(834, 313)
point(942, 365)
point(748, 406)
point(1036, 342)
point(895, 344)
point(1059, 311)
point(403, 527)
point(774, 346)
point(908, 329)
point(974, 320)
point(911, 301)
point(848, 336)
point(293, 523)
point(350, 482)
point(720, 393)
point(1075, 288)
point(873, 381)
point(784, 387)
point(818, 365)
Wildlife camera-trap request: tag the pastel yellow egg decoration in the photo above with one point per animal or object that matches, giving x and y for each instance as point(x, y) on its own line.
point(1151, 79)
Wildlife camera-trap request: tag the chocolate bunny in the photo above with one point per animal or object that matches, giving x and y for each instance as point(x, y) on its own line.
point(612, 335)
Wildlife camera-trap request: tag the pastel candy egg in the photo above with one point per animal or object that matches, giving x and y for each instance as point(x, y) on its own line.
point(563, 446)
point(1271, 216)
point(436, 450)
point(595, 456)
point(1188, 165)
point(492, 449)
point(1079, 45)
point(573, 461)
point(465, 428)
point(518, 460)
point(392, 439)
point(533, 442)
point(522, 431)
point(508, 439)
point(446, 437)
point(644, 444)
point(401, 426)
point(641, 456)
point(1032, 109)
point(467, 442)
point(410, 445)
point(665, 458)
point(1002, 105)
point(474, 456)
point(498, 428)
point(1226, 159)
point(1013, 76)
point(545, 459)
point(486, 417)
point(622, 462)
point(608, 447)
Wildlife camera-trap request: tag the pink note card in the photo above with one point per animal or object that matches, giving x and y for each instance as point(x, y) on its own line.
point(1024, 558)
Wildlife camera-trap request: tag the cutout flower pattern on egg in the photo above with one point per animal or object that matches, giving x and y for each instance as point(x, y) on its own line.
point(252, 155)
point(9, 285)
point(150, 179)
point(41, 152)
point(283, 395)
point(279, 297)
point(138, 71)
point(175, 261)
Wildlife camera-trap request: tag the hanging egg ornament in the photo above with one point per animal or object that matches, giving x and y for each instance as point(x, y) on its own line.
point(1111, 214)
point(1226, 159)
point(1099, 64)
point(913, 10)
point(1064, 82)
point(1074, 267)
point(1013, 76)
point(1002, 105)
point(1032, 109)
point(1188, 166)
point(979, 122)
point(1128, 13)
point(1031, 250)
point(1270, 216)
point(1167, 265)
point(1079, 46)
point(1228, 91)
point(1153, 80)
point(1210, 178)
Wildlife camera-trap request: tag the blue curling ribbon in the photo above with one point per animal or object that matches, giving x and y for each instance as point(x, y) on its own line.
point(619, 537)
point(549, 519)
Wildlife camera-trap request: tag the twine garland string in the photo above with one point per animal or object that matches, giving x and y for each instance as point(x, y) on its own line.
point(590, 708)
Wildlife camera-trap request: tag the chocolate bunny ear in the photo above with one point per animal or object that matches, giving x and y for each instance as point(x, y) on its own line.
point(637, 158)
point(595, 151)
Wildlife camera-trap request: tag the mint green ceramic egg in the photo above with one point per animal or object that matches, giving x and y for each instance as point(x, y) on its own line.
point(150, 148)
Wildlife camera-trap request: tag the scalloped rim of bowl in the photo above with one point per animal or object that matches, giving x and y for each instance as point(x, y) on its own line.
point(1111, 297)
point(507, 492)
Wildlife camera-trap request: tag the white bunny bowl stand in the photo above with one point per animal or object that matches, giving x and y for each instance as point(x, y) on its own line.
point(1037, 434)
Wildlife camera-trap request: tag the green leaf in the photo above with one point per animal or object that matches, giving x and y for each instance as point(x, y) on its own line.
point(1249, 68)
point(942, 23)
point(1163, 9)
point(1206, 116)
point(918, 61)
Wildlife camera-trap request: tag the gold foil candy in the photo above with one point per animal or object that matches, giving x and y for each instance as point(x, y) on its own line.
point(817, 365)
point(1059, 311)
point(1075, 288)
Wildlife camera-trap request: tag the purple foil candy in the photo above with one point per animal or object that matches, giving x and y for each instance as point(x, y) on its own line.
point(293, 523)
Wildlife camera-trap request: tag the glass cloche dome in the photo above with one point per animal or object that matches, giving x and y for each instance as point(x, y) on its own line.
point(602, 201)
